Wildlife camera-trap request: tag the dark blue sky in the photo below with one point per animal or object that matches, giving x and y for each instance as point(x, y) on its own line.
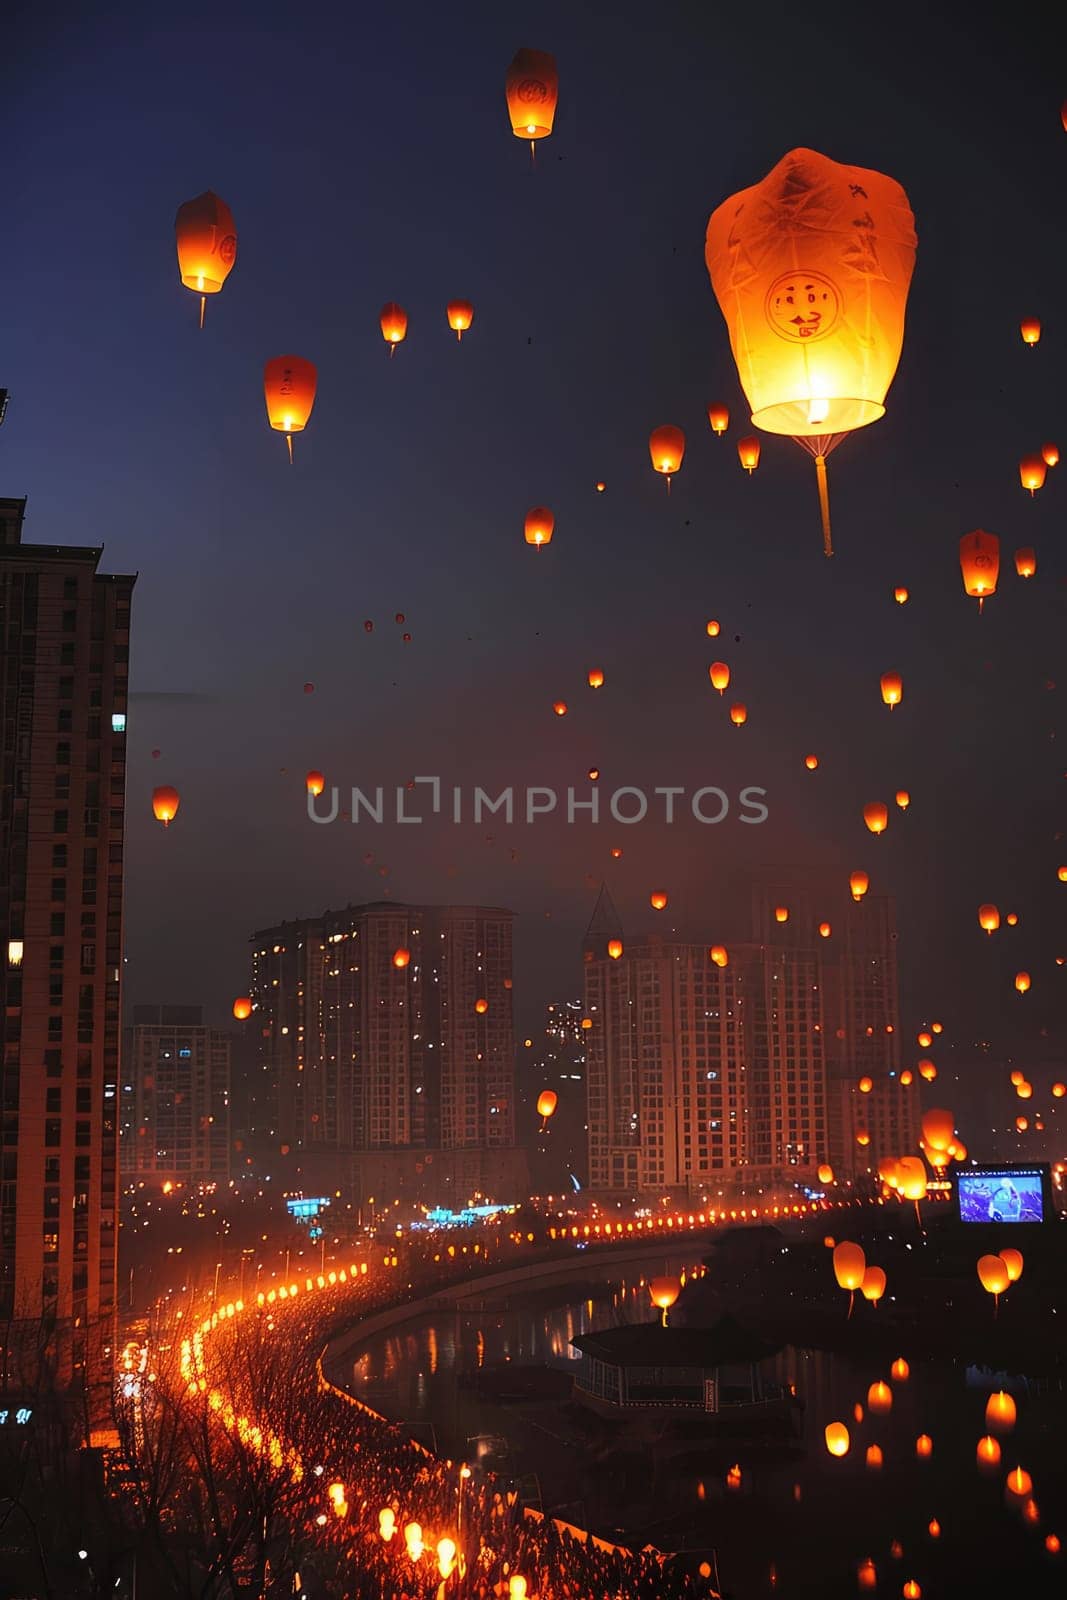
point(366, 156)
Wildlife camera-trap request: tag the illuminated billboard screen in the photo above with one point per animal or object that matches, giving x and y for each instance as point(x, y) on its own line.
point(1001, 1194)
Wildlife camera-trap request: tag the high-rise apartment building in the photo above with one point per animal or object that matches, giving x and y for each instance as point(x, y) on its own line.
point(175, 1116)
point(64, 653)
point(754, 1072)
point(556, 1061)
point(388, 1028)
point(871, 1111)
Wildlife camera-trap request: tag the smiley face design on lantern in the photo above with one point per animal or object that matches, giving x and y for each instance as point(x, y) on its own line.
point(532, 92)
point(803, 305)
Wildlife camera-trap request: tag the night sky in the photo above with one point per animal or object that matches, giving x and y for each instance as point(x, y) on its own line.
point(366, 155)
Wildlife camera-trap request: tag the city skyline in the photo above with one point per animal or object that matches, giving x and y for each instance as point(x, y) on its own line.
point(299, 561)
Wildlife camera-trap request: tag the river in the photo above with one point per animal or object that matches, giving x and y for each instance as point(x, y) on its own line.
point(801, 1521)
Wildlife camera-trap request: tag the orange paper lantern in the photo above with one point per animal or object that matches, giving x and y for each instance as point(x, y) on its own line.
point(165, 803)
point(980, 564)
point(289, 384)
point(539, 526)
point(531, 87)
point(666, 446)
point(460, 315)
point(207, 245)
point(1032, 471)
point(748, 450)
point(813, 287)
point(394, 324)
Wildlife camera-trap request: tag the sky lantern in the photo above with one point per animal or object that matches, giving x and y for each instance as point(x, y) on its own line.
point(980, 564)
point(907, 1077)
point(837, 1439)
point(1025, 562)
point(826, 1173)
point(401, 958)
point(938, 1128)
point(719, 419)
point(927, 1070)
point(1012, 919)
point(316, 783)
point(481, 1007)
point(903, 799)
point(1059, 1090)
point(289, 384)
point(394, 325)
point(872, 1285)
point(1019, 1482)
point(711, 628)
point(924, 1040)
point(207, 245)
point(993, 1276)
point(460, 314)
point(876, 816)
point(560, 707)
point(1022, 981)
point(874, 1460)
point(900, 1372)
point(242, 1007)
point(663, 1292)
point(811, 762)
point(879, 1397)
point(666, 446)
point(987, 1453)
point(892, 689)
point(719, 955)
point(1050, 454)
point(1000, 1412)
point(748, 453)
point(547, 1101)
point(165, 803)
point(924, 1445)
point(1032, 471)
point(739, 714)
point(658, 900)
point(1024, 1090)
point(596, 678)
point(900, 596)
point(811, 269)
point(867, 1572)
point(1013, 1263)
point(539, 526)
point(825, 930)
point(614, 948)
point(866, 1085)
point(531, 87)
point(988, 918)
point(859, 883)
point(1030, 328)
point(446, 1557)
point(719, 673)
point(850, 1264)
point(781, 913)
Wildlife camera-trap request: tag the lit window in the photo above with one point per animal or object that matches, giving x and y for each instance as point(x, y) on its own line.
point(118, 722)
point(14, 952)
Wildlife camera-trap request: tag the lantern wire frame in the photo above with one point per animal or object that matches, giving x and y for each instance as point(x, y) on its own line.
point(819, 446)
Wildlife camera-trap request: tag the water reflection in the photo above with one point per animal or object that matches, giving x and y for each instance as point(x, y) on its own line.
point(790, 1506)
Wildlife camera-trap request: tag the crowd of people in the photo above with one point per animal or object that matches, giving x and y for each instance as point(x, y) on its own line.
point(362, 1530)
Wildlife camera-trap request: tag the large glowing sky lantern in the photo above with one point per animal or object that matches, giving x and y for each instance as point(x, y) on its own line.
point(811, 269)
